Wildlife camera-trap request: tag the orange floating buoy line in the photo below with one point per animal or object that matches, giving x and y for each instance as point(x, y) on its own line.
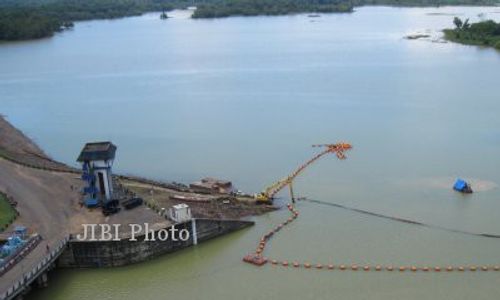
point(257, 258)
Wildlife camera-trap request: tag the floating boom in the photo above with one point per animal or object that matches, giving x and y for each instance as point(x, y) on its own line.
point(269, 192)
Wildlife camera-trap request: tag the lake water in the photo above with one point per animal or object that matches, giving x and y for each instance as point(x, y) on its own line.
point(243, 99)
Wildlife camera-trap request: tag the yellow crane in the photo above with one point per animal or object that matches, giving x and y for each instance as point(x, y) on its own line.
point(269, 192)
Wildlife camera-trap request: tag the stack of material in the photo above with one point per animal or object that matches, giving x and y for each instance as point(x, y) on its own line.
point(211, 185)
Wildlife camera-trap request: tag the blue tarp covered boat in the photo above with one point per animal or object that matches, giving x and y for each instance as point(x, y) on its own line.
point(462, 186)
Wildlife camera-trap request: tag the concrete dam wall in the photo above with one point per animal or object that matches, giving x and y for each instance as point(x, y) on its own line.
point(91, 254)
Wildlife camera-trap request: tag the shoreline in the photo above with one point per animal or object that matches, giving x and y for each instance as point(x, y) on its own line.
point(49, 204)
point(219, 14)
point(450, 36)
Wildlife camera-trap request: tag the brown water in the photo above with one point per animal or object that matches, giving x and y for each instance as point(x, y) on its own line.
point(243, 99)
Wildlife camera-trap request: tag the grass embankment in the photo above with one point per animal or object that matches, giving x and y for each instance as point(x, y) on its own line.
point(485, 33)
point(7, 213)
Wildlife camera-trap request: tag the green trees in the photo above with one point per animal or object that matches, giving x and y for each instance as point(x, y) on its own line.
point(28, 25)
point(31, 19)
point(425, 2)
point(458, 23)
point(225, 8)
point(163, 15)
point(485, 33)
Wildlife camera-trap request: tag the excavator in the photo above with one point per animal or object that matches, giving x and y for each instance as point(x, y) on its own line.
point(267, 196)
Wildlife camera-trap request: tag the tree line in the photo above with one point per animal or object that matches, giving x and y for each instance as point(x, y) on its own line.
point(28, 19)
point(226, 8)
point(485, 33)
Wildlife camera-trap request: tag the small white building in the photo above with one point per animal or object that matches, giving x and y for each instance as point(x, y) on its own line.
point(97, 161)
point(180, 213)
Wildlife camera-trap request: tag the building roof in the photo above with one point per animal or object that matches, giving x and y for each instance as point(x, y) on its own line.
point(97, 151)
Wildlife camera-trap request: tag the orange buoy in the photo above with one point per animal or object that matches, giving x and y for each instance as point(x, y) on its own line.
point(461, 269)
point(378, 268)
point(354, 267)
point(449, 268)
point(331, 267)
point(484, 268)
point(390, 268)
point(402, 269)
point(437, 269)
point(285, 263)
point(342, 267)
point(472, 268)
point(425, 269)
point(296, 264)
point(255, 259)
point(319, 266)
point(414, 269)
point(307, 265)
point(366, 268)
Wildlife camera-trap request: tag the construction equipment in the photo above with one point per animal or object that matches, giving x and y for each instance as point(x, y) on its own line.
point(268, 194)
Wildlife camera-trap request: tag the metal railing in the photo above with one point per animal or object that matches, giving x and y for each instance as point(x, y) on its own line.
point(11, 260)
point(32, 275)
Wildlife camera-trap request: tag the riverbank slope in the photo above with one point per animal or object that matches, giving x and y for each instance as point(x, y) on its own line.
point(48, 200)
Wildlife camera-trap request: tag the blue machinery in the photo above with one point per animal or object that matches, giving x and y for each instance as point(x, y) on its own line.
point(14, 242)
point(90, 190)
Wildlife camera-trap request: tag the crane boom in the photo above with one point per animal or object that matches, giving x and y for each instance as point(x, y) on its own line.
point(268, 194)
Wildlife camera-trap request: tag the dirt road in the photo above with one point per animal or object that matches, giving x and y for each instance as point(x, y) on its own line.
point(46, 204)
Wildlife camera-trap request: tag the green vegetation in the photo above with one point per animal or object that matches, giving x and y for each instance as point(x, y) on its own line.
point(7, 213)
point(486, 33)
point(20, 24)
point(226, 8)
point(164, 15)
point(28, 19)
point(426, 2)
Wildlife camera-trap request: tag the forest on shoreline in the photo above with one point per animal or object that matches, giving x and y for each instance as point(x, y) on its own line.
point(31, 19)
point(485, 33)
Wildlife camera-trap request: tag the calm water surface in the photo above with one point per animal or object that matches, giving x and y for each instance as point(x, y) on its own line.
point(243, 99)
